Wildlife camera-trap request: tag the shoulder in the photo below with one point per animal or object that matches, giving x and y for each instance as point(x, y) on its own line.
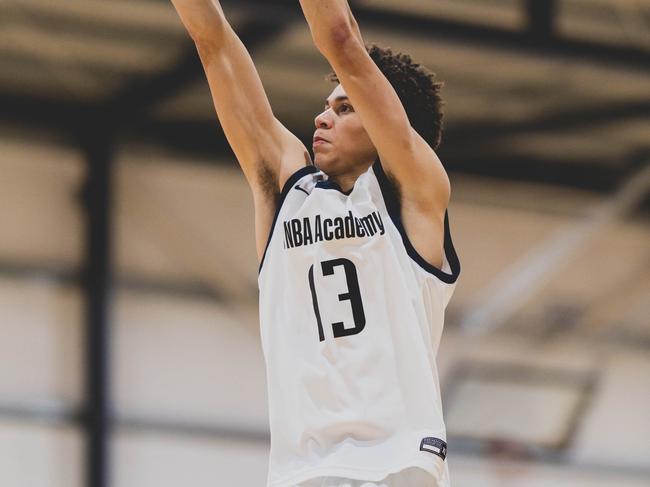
point(271, 180)
point(424, 230)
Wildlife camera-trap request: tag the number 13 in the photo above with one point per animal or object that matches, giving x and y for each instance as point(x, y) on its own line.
point(353, 295)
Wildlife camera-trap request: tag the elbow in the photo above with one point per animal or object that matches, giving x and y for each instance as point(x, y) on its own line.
point(340, 34)
point(212, 35)
point(211, 42)
point(204, 21)
point(337, 40)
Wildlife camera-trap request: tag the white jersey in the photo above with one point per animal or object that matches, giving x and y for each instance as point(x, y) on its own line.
point(351, 318)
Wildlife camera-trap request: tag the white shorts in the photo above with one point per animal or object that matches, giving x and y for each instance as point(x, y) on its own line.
point(409, 477)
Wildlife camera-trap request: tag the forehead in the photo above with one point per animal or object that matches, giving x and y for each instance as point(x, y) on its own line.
point(336, 92)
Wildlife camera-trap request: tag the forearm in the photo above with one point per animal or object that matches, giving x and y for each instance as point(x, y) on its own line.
point(261, 144)
point(331, 23)
point(204, 20)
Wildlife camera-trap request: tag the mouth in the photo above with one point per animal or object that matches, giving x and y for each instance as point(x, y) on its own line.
point(319, 141)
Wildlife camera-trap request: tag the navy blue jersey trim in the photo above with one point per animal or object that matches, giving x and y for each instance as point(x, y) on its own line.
point(395, 213)
point(327, 184)
point(288, 186)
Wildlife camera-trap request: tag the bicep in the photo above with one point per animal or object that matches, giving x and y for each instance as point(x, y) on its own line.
point(259, 141)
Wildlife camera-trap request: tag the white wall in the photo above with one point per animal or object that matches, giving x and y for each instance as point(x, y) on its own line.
point(40, 455)
point(159, 460)
point(196, 362)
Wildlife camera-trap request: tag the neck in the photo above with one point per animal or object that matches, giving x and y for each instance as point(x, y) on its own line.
point(346, 180)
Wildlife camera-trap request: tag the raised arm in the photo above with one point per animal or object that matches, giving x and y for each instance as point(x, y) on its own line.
point(406, 156)
point(266, 151)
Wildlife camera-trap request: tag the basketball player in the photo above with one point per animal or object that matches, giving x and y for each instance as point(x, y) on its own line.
point(356, 263)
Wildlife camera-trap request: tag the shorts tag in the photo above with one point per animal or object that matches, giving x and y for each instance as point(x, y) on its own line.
point(435, 446)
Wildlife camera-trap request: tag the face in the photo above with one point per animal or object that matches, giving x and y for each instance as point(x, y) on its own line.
point(346, 147)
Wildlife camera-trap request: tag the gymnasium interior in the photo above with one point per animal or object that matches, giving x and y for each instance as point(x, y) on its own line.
point(129, 337)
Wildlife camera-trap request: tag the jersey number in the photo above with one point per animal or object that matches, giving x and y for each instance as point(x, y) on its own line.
point(353, 295)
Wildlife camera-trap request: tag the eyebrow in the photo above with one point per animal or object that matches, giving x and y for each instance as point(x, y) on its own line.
point(338, 98)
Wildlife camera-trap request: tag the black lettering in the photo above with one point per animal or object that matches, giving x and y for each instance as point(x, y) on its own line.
point(360, 230)
point(314, 301)
point(288, 240)
point(338, 230)
point(297, 234)
point(380, 223)
point(306, 228)
point(349, 226)
point(353, 294)
point(328, 233)
point(368, 225)
point(318, 230)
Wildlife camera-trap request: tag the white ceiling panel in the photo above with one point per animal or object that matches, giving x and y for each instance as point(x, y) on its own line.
point(620, 22)
point(144, 15)
point(498, 13)
point(73, 48)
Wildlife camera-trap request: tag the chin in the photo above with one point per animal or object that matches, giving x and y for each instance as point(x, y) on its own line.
point(321, 163)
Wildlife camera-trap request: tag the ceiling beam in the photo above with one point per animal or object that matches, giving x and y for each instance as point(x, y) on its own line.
point(591, 173)
point(480, 36)
point(71, 275)
point(573, 117)
point(133, 101)
point(205, 137)
point(587, 173)
point(52, 17)
point(41, 112)
point(631, 57)
point(142, 93)
point(541, 18)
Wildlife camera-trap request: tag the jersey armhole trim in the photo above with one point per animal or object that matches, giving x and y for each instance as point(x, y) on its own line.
point(288, 185)
point(394, 211)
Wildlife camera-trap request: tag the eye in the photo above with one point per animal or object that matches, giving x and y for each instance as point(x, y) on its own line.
point(345, 107)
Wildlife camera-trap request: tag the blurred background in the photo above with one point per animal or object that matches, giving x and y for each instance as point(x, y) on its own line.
point(129, 346)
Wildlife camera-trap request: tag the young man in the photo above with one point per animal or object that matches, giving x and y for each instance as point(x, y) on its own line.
point(356, 260)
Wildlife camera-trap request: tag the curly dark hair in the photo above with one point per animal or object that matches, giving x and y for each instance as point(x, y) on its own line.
point(416, 88)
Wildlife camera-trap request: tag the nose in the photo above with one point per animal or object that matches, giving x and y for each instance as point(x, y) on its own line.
point(323, 120)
